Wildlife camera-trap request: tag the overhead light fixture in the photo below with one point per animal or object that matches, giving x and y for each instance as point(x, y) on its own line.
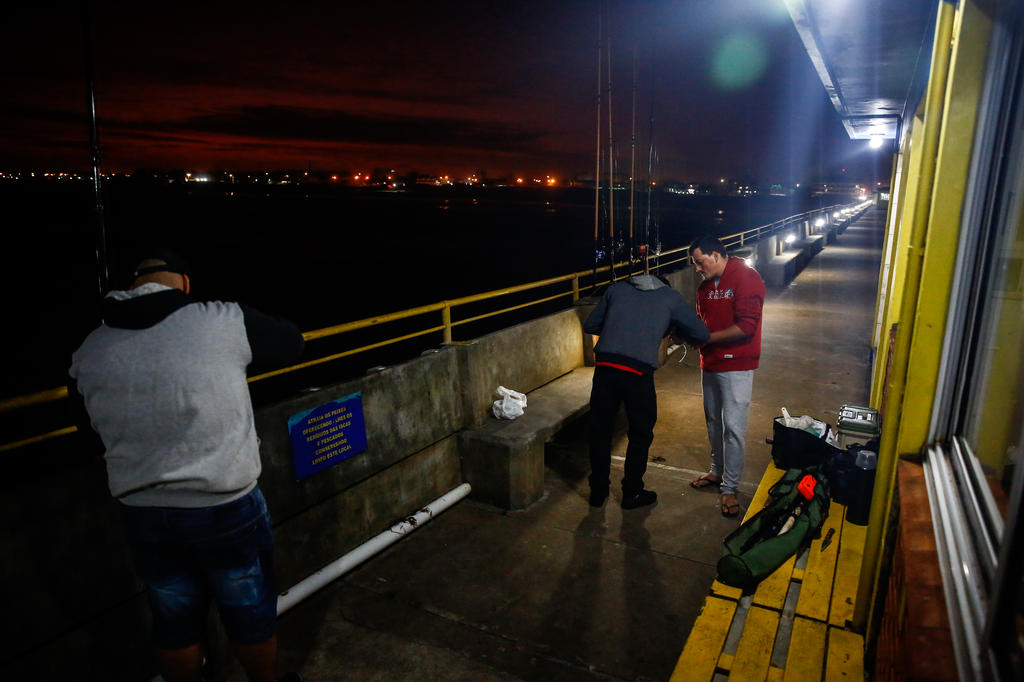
point(876, 142)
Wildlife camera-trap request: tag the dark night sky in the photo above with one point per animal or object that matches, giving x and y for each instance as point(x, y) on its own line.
point(438, 87)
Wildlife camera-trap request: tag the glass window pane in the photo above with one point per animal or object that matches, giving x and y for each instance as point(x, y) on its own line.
point(995, 411)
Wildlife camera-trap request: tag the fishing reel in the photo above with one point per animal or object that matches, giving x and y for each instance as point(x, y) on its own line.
point(619, 249)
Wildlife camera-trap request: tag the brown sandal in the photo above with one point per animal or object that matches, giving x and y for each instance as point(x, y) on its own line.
point(704, 481)
point(730, 506)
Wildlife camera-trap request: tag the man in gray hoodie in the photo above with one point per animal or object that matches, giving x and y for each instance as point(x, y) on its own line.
point(163, 383)
point(631, 319)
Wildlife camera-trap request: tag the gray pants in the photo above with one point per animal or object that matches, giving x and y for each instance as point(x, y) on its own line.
point(726, 405)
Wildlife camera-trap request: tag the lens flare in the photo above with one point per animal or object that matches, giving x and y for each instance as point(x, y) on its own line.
point(739, 61)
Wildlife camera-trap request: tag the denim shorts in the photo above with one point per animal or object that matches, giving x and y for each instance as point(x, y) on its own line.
point(186, 557)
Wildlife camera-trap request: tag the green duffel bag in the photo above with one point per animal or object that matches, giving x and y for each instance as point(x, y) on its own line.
point(791, 518)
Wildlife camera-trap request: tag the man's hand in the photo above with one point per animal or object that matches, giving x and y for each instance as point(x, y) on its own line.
point(679, 340)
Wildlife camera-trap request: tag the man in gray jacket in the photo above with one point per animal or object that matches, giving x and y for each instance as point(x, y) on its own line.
point(631, 318)
point(163, 381)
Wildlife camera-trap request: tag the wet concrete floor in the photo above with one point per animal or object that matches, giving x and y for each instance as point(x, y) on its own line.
point(561, 591)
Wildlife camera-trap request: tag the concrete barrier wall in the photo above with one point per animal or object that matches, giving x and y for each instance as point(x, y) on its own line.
point(523, 357)
point(411, 411)
point(72, 608)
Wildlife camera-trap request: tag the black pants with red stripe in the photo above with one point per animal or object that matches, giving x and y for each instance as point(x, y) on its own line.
point(613, 387)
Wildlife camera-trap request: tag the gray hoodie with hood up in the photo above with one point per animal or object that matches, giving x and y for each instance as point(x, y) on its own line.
point(634, 316)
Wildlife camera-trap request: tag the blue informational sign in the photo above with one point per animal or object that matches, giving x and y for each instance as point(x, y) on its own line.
point(327, 434)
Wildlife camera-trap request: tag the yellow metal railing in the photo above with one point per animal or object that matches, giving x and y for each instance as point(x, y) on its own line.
point(663, 260)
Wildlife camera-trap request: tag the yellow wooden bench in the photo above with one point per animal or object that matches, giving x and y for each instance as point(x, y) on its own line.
point(794, 626)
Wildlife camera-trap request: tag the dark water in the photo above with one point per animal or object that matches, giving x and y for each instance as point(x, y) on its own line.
point(317, 255)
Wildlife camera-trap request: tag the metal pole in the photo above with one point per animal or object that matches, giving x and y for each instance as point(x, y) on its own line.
point(611, 153)
point(650, 178)
point(597, 155)
point(632, 166)
point(103, 276)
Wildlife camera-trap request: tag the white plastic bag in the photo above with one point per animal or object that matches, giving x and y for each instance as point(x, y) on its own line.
point(510, 404)
point(805, 423)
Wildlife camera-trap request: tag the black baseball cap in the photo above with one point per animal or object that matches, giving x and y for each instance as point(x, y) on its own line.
point(172, 262)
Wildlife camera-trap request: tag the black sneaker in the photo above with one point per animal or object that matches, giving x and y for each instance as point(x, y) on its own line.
point(597, 497)
point(640, 499)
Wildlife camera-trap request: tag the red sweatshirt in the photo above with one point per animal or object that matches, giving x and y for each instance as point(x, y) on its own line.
point(737, 299)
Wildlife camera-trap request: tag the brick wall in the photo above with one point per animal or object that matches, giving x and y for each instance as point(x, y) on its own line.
point(914, 642)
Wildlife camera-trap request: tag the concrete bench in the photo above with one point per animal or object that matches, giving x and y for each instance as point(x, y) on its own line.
point(780, 270)
point(830, 234)
point(795, 624)
point(504, 460)
point(812, 244)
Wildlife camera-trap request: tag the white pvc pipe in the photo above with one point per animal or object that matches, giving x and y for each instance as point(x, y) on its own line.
point(343, 564)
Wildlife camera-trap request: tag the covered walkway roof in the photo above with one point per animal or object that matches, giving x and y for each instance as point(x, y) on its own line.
point(867, 53)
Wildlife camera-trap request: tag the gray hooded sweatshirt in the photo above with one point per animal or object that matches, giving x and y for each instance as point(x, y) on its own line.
point(163, 381)
point(634, 316)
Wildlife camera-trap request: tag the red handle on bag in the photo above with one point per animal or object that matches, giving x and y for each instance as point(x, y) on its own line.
point(806, 486)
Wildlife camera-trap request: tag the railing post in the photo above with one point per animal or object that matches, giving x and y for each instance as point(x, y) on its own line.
point(575, 288)
point(446, 319)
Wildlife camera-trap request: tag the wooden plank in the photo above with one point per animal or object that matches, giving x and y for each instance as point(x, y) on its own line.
point(704, 644)
point(725, 591)
point(770, 478)
point(816, 589)
point(771, 592)
point(775, 674)
point(845, 660)
point(754, 653)
point(725, 662)
point(844, 587)
point(806, 655)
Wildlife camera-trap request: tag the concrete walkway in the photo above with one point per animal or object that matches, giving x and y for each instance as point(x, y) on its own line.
point(564, 592)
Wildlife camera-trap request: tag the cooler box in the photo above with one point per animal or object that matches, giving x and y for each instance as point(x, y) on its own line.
point(857, 423)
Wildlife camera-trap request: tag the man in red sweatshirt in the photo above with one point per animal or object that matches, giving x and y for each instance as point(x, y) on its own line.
point(729, 302)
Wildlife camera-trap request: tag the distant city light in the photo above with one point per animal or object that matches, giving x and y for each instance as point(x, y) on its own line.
point(835, 214)
point(749, 261)
point(820, 222)
point(790, 238)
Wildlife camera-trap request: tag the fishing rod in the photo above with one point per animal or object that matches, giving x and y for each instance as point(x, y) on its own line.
point(597, 155)
point(632, 168)
point(103, 274)
point(611, 154)
point(650, 186)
